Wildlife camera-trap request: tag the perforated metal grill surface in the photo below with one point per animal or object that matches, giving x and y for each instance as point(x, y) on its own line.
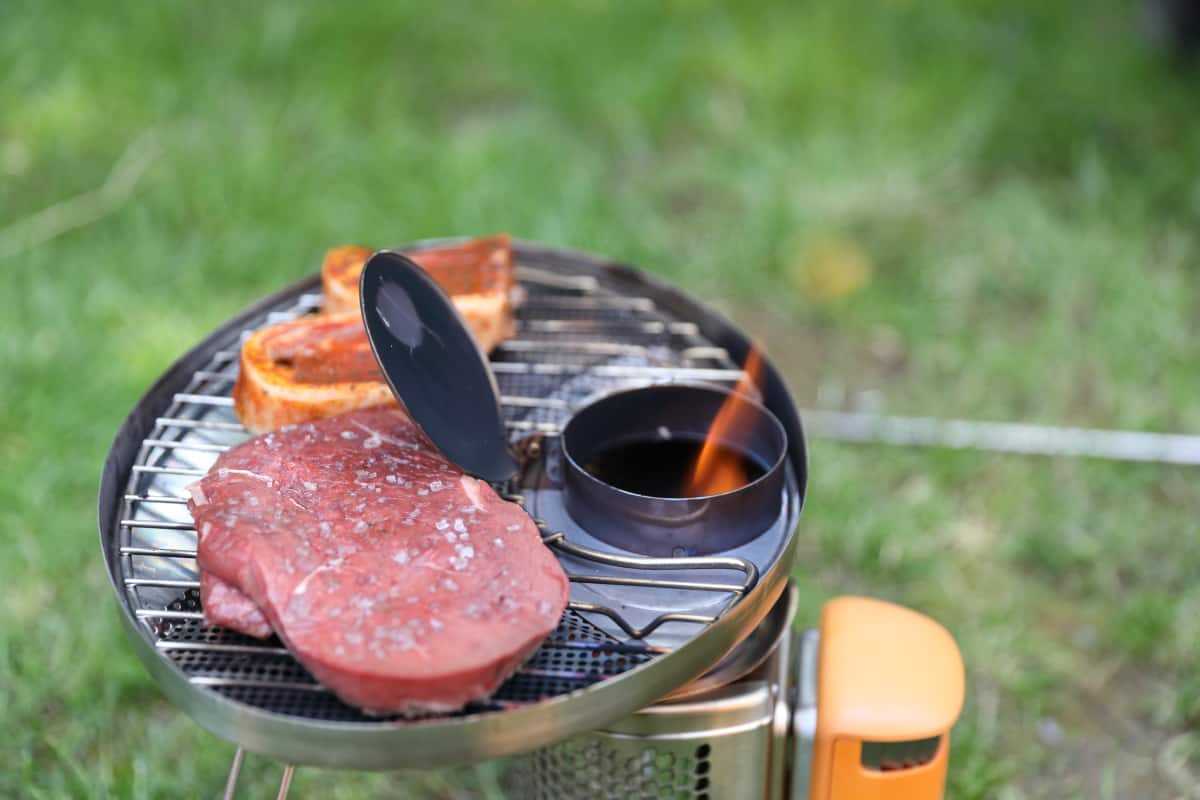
point(602, 767)
point(266, 674)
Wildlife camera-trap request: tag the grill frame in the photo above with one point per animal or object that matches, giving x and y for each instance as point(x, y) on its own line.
point(474, 736)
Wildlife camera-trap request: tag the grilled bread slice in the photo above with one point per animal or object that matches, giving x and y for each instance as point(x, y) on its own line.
point(322, 366)
point(306, 369)
point(478, 274)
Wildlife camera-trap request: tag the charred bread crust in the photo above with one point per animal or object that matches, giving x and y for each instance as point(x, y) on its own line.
point(271, 391)
point(321, 366)
point(339, 278)
point(478, 274)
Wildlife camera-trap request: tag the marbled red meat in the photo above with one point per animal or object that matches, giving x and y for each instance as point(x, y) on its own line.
point(402, 584)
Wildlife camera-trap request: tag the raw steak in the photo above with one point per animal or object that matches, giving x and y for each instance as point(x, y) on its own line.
point(400, 583)
point(226, 606)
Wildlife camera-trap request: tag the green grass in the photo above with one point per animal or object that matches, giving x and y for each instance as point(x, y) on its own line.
point(1012, 184)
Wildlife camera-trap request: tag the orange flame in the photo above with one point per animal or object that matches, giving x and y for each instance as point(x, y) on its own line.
point(716, 470)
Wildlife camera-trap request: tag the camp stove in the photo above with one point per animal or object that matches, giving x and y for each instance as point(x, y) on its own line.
point(674, 672)
point(883, 731)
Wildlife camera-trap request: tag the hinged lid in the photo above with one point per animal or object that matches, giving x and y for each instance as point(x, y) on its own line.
point(434, 366)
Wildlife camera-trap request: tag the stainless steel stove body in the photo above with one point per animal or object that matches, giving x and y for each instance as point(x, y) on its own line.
point(861, 707)
point(748, 738)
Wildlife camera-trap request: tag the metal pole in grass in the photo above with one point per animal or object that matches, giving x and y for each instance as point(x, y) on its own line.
point(1004, 437)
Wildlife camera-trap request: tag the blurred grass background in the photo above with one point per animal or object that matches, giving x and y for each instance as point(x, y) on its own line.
point(975, 209)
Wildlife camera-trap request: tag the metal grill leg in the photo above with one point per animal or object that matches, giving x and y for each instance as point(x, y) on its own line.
point(285, 783)
point(234, 770)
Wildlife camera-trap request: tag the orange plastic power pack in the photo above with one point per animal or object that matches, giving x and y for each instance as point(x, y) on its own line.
point(889, 688)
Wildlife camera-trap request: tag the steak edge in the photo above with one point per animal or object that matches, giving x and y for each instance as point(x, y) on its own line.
point(226, 606)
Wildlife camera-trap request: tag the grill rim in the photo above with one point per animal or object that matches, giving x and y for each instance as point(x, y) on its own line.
point(388, 745)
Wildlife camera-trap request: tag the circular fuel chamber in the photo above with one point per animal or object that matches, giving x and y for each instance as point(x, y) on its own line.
point(629, 456)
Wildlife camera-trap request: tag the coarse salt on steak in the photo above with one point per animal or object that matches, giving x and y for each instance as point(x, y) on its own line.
point(402, 584)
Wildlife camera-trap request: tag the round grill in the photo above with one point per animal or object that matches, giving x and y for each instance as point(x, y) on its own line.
point(585, 327)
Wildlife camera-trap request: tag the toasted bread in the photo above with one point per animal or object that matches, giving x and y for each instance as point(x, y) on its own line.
point(478, 274)
point(320, 366)
point(305, 369)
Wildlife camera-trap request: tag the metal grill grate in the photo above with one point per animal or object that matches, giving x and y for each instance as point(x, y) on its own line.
point(575, 340)
point(264, 673)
